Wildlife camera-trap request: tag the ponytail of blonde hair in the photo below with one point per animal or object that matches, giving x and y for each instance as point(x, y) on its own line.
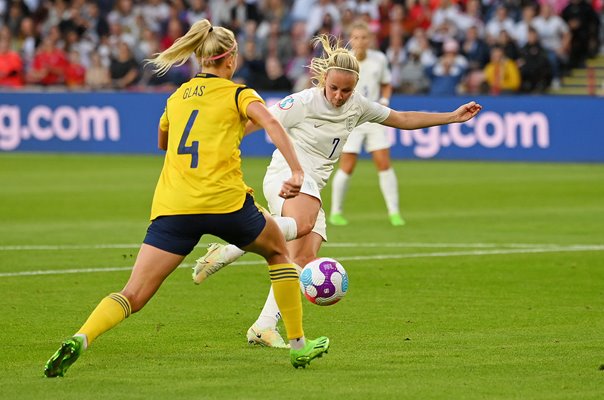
point(335, 57)
point(208, 43)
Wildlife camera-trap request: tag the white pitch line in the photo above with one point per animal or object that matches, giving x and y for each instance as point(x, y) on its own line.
point(576, 248)
point(334, 245)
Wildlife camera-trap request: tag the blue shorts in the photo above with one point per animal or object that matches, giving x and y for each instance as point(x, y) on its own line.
point(179, 234)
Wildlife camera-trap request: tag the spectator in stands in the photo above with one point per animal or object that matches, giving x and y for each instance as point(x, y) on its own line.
point(520, 33)
point(446, 74)
point(507, 43)
point(413, 78)
point(500, 21)
point(154, 14)
point(277, 10)
point(16, 12)
point(75, 73)
point(11, 65)
point(26, 40)
point(419, 11)
point(501, 74)
point(48, 65)
point(276, 42)
point(555, 39)
point(275, 79)
point(97, 74)
point(535, 68)
point(584, 25)
point(174, 31)
point(471, 17)
point(241, 12)
point(198, 10)
point(316, 16)
point(124, 69)
point(420, 41)
point(297, 68)
point(477, 53)
point(395, 54)
point(125, 15)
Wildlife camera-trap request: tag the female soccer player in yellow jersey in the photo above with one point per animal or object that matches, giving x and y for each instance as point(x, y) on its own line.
point(319, 121)
point(201, 190)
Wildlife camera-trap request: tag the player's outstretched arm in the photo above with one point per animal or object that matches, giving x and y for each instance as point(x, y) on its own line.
point(258, 113)
point(409, 120)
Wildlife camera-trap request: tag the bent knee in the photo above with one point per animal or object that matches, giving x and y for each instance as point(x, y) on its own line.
point(304, 228)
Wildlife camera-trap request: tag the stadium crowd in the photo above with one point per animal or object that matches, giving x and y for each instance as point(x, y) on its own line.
point(440, 47)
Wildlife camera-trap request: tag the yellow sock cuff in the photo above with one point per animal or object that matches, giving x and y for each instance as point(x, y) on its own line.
point(123, 302)
point(112, 310)
point(279, 272)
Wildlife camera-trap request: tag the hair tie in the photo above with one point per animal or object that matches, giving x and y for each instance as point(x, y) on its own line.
point(211, 28)
point(226, 53)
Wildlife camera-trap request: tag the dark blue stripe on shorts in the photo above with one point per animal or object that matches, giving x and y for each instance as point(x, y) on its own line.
point(179, 234)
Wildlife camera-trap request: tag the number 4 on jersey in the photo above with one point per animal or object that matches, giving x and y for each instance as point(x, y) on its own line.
point(193, 149)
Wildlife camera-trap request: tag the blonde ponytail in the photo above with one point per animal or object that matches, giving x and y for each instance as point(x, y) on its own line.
point(208, 43)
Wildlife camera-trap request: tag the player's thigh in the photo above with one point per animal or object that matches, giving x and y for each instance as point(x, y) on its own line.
point(348, 161)
point(272, 187)
point(304, 209)
point(151, 268)
point(270, 244)
point(381, 159)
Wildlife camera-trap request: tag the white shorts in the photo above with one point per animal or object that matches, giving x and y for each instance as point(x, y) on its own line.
point(374, 136)
point(273, 182)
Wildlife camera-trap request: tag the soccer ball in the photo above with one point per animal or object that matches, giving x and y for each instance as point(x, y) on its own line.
point(324, 281)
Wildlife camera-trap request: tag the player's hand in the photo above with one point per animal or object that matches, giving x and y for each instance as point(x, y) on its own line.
point(467, 111)
point(291, 187)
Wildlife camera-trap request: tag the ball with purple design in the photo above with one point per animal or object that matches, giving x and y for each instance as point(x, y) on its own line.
point(324, 281)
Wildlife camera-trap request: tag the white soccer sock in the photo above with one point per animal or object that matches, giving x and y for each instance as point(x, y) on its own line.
point(298, 344)
point(339, 187)
point(288, 226)
point(231, 253)
point(270, 314)
point(389, 187)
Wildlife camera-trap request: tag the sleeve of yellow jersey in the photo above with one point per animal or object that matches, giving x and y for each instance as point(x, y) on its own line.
point(163, 122)
point(245, 97)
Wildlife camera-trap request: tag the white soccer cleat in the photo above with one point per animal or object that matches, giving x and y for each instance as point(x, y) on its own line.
point(269, 337)
point(211, 262)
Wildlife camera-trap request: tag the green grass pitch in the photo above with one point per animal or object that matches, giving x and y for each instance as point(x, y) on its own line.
point(493, 290)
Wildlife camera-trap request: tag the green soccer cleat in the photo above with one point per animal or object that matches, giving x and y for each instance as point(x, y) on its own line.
point(396, 219)
point(338, 220)
point(209, 263)
point(313, 349)
point(67, 354)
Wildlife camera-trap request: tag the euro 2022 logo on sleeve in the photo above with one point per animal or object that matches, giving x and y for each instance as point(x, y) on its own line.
point(286, 103)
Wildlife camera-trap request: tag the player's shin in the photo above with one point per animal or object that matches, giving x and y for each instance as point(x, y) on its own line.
point(286, 287)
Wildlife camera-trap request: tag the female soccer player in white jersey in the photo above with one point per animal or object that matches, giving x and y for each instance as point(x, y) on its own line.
point(374, 83)
point(319, 121)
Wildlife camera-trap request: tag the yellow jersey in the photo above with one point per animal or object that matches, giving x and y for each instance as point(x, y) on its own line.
point(205, 120)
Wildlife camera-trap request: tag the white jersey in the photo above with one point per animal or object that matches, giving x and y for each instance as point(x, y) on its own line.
point(319, 130)
point(374, 72)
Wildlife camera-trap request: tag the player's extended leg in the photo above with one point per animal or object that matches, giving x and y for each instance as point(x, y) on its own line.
point(304, 209)
point(339, 187)
point(220, 255)
point(388, 185)
point(284, 280)
point(152, 266)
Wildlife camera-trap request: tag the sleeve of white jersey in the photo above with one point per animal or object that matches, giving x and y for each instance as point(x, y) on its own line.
point(372, 111)
point(289, 111)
